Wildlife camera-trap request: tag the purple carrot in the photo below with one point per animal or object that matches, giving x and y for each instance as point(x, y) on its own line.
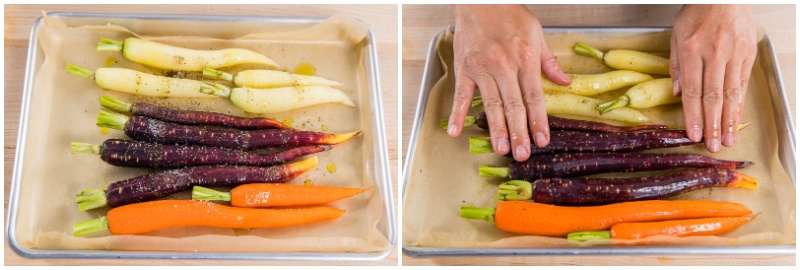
point(151, 130)
point(579, 164)
point(581, 141)
point(596, 191)
point(127, 153)
point(189, 117)
point(162, 184)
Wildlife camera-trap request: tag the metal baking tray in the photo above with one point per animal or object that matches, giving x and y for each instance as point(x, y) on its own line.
point(377, 165)
point(786, 153)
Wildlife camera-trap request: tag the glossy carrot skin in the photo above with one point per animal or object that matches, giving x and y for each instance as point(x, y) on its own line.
point(156, 131)
point(578, 141)
point(267, 195)
point(680, 228)
point(158, 185)
point(596, 191)
point(548, 220)
point(156, 215)
point(579, 164)
point(188, 117)
point(127, 153)
point(558, 123)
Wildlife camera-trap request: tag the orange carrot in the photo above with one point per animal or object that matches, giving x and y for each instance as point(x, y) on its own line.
point(686, 227)
point(679, 228)
point(156, 215)
point(541, 219)
point(274, 194)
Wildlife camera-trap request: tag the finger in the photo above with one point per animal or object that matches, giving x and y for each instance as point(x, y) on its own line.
point(691, 85)
point(713, 83)
point(462, 99)
point(515, 113)
point(732, 97)
point(531, 87)
point(674, 68)
point(493, 107)
point(550, 68)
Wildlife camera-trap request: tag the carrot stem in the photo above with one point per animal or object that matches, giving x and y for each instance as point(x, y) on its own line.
point(90, 226)
point(215, 89)
point(79, 148)
point(109, 45)
point(588, 235)
point(79, 71)
point(472, 212)
point(110, 119)
point(213, 74)
point(515, 190)
point(607, 106)
point(493, 172)
point(476, 102)
point(115, 104)
point(587, 50)
point(91, 199)
point(480, 145)
point(206, 194)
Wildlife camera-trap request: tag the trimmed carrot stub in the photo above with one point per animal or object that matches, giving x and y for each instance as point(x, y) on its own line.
point(189, 117)
point(151, 130)
point(578, 164)
point(627, 59)
point(169, 57)
point(560, 124)
point(267, 195)
point(140, 83)
point(644, 95)
point(156, 215)
point(267, 78)
point(161, 184)
point(127, 153)
point(678, 228)
point(596, 191)
point(549, 220)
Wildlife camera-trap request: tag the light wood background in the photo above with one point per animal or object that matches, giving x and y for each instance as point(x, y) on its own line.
point(422, 22)
point(382, 19)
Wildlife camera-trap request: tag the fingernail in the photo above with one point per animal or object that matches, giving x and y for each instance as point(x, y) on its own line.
point(451, 129)
point(676, 87)
point(696, 134)
point(502, 145)
point(713, 145)
point(539, 138)
point(521, 151)
point(728, 140)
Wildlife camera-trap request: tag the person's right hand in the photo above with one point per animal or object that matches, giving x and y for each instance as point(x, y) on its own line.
point(501, 50)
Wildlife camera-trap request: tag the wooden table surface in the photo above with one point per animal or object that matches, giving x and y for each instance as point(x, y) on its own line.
point(382, 19)
point(422, 22)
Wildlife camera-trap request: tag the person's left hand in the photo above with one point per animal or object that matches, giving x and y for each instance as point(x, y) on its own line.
point(712, 55)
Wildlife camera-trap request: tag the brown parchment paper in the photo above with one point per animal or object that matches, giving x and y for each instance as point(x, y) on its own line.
point(64, 109)
point(444, 175)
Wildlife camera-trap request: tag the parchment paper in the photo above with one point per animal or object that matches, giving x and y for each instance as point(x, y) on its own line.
point(64, 109)
point(444, 176)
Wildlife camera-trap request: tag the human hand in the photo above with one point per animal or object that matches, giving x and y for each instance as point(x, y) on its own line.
point(712, 55)
point(501, 50)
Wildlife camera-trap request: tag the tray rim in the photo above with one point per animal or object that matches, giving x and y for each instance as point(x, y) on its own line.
point(381, 156)
point(416, 251)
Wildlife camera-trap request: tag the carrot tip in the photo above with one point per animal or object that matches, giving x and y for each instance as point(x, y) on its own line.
point(340, 138)
point(743, 181)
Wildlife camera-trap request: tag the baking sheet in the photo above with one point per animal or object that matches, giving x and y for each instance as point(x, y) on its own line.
point(433, 193)
point(63, 108)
